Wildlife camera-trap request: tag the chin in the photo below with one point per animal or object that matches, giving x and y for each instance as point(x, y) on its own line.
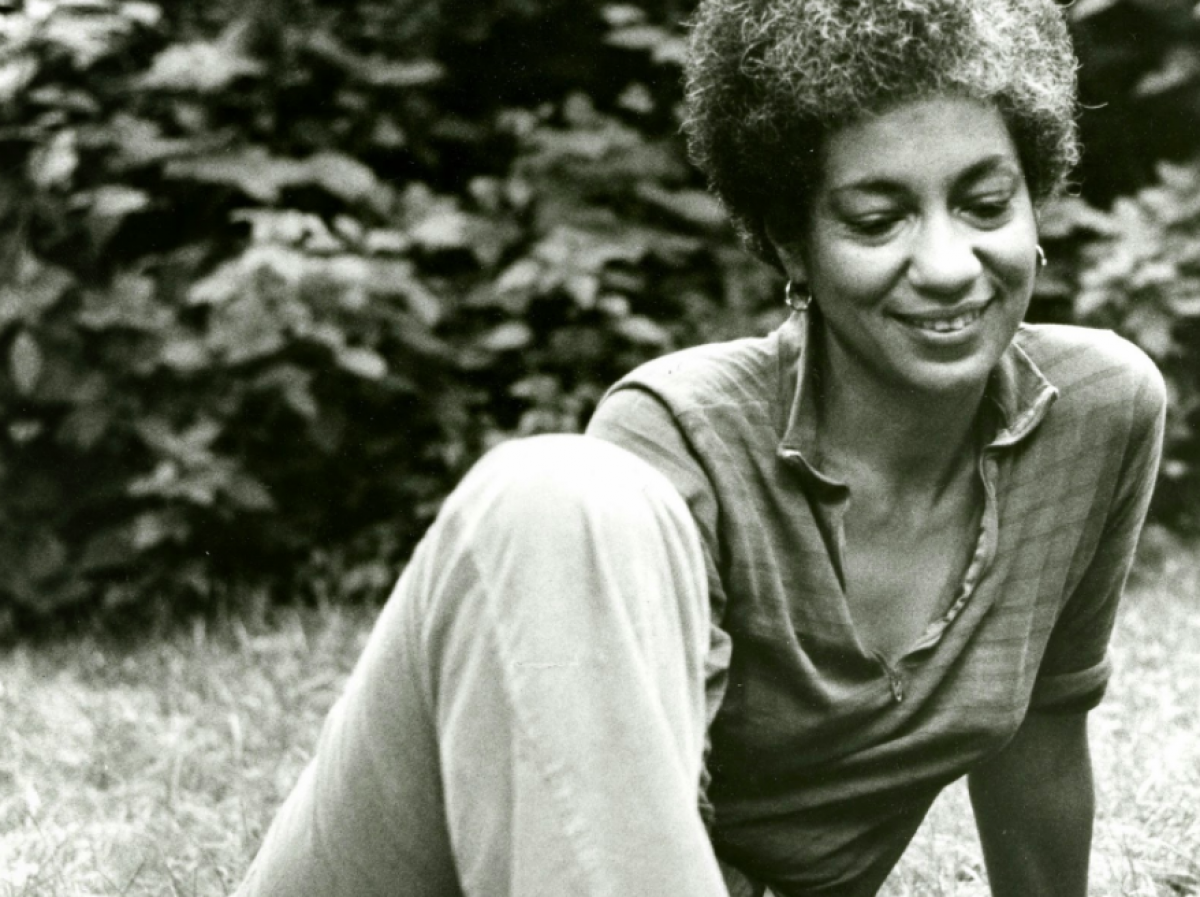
point(965, 376)
point(953, 362)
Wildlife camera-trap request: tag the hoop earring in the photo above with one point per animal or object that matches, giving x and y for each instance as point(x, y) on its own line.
point(1041, 253)
point(794, 302)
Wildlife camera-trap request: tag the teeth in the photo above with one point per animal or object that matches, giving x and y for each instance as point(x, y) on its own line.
point(946, 325)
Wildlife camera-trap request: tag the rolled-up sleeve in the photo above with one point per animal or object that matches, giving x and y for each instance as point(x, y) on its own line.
point(1075, 668)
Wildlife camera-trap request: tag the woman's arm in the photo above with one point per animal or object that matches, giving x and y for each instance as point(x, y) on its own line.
point(1034, 804)
point(1034, 801)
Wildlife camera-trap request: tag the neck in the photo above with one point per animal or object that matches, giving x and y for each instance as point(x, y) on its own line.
point(914, 441)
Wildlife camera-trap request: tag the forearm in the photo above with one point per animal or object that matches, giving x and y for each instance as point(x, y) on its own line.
point(1034, 805)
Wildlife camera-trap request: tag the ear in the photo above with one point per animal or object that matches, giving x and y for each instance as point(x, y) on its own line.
point(789, 249)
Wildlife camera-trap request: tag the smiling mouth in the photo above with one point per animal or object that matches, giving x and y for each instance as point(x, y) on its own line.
point(943, 324)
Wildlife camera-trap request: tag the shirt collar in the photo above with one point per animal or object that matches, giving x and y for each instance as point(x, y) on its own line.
point(1017, 394)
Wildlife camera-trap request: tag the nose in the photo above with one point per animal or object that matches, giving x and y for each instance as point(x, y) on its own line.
point(943, 260)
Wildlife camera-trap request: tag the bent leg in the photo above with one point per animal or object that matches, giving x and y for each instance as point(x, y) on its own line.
point(527, 718)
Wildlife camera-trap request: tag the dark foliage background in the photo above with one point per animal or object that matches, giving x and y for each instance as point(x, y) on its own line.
point(273, 275)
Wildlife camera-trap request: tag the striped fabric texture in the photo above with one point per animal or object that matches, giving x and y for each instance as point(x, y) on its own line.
point(824, 757)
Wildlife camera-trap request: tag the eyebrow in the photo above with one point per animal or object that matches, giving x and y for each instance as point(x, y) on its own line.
point(994, 164)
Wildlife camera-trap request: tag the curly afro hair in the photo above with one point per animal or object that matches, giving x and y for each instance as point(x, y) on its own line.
point(767, 80)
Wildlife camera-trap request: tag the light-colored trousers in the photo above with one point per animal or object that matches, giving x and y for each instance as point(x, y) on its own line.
point(527, 718)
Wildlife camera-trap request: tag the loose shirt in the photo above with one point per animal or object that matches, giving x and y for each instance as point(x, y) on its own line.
point(824, 755)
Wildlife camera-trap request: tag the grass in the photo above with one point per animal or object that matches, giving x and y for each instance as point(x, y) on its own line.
point(152, 769)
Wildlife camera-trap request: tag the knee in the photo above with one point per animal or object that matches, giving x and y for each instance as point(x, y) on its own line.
point(562, 528)
point(564, 477)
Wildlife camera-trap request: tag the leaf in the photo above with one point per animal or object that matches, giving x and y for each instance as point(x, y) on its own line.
point(445, 228)
point(514, 289)
point(15, 75)
point(642, 331)
point(261, 176)
point(423, 302)
point(665, 48)
point(201, 67)
point(86, 425)
point(288, 227)
point(136, 142)
point(84, 6)
point(191, 447)
point(294, 385)
point(168, 480)
point(375, 71)
point(36, 288)
point(584, 288)
point(87, 35)
point(1185, 305)
point(108, 206)
point(1083, 9)
point(1180, 66)
point(45, 555)
point(116, 201)
point(56, 96)
point(637, 37)
point(637, 99)
point(538, 388)
point(507, 337)
point(419, 340)
point(246, 330)
point(695, 207)
point(361, 362)
point(230, 281)
point(398, 277)
point(23, 431)
point(248, 493)
point(25, 363)
point(1150, 328)
point(386, 242)
point(1066, 215)
point(253, 171)
point(154, 527)
point(184, 355)
point(143, 13)
point(108, 549)
point(130, 303)
point(52, 165)
point(344, 177)
point(620, 15)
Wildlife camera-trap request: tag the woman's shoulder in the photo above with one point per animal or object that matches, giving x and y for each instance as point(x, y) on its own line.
point(711, 374)
point(1088, 365)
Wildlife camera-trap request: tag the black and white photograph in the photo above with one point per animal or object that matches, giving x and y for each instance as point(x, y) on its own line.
point(600, 448)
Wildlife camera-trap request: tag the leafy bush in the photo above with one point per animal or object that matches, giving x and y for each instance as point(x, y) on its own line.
point(271, 277)
point(266, 293)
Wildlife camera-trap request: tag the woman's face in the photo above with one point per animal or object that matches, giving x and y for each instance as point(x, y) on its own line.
point(920, 246)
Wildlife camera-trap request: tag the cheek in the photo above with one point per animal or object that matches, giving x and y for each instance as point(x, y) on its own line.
point(1015, 247)
point(859, 276)
point(1015, 261)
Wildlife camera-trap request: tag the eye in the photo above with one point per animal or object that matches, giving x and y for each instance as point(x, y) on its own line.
point(875, 226)
point(989, 211)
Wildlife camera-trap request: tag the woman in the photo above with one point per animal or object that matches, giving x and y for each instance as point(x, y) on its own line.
point(821, 574)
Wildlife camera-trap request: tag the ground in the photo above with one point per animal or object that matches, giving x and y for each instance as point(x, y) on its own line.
point(152, 769)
